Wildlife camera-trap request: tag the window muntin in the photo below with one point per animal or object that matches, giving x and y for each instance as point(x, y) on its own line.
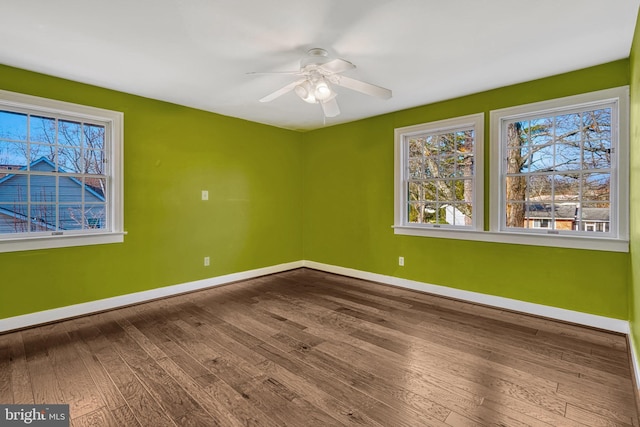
point(436, 174)
point(562, 163)
point(60, 173)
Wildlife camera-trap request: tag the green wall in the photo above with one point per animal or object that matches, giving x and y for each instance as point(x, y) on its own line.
point(634, 288)
point(278, 196)
point(348, 211)
point(171, 153)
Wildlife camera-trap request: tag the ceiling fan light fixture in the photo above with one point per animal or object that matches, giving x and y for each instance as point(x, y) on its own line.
point(305, 91)
point(322, 92)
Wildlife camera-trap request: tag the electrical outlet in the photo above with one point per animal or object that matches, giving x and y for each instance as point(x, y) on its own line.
point(205, 195)
point(207, 261)
point(401, 261)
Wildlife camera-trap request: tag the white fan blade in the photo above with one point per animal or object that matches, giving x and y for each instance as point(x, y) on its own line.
point(281, 91)
point(336, 66)
point(366, 88)
point(330, 107)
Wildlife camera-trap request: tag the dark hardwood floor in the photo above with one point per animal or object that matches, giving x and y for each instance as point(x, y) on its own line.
point(306, 348)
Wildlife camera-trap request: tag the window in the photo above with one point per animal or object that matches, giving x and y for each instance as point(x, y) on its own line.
point(562, 163)
point(60, 174)
point(437, 169)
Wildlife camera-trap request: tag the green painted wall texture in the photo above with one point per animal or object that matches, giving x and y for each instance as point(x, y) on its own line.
point(348, 211)
point(278, 196)
point(252, 219)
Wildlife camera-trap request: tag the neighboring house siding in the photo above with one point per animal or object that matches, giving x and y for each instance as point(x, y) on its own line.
point(44, 211)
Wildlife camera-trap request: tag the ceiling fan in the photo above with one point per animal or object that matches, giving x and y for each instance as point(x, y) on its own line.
point(318, 73)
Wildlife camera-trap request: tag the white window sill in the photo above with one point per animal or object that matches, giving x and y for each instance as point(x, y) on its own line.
point(573, 242)
point(51, 242)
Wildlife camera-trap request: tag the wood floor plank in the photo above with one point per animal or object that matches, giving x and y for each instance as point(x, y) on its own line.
point(44, 382)
point(144, 407)
point(97, 418)
point(6, 393)
point(310, 348)
point(590, 418)
point(19, 372)
point(76, 383)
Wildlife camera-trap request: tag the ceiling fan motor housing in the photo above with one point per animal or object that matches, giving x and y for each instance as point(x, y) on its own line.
point(315, 56)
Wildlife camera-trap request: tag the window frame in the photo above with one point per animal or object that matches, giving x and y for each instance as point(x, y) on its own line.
point(615, 240)
point(114, 141)
point(401, 223)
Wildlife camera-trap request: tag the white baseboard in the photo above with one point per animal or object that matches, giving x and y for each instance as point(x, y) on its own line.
point(601, 322)
point(47, 316)
point(635, 362)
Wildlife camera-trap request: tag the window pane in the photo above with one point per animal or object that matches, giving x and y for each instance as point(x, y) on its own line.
point(518, 160)
point(515, 215)
point(429, 191)
point(535, 213)
point(95, 189)
point(463, 190)
point(415, 193)
point(464, 164)
point(13, 218)
point(41, 153)
point(416, 213)
point(43, 188)
point(432, 214)
point(94, 137)
point(43, 217)
point(447, 143)
point(597, 124)
point(566, 188)
point(538, 187)
point(446, 191)
point(516, 188)
point(415, 169)
point(431, 146)
point(446, 167)
point(42, 129)
point(594, 217)
point(70, 159)
point(13, 155)
point(69, 189)
point(459, 214)
point(415, 147)
point(516, 134)
point(94, 216)
point(70, 217)
point(596, 186)
point(13, 126)
point(568, 128)
point(540, 132)
point(94, 162)
point(597, 154)
point(568, 157)
point(69, 133)
point(541, 158)
point(14, 189)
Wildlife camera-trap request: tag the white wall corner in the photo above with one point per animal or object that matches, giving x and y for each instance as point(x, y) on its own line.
point(56, 314)
point(592, 320)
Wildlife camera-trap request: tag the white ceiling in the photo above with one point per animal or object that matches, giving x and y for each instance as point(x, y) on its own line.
point(198, 52)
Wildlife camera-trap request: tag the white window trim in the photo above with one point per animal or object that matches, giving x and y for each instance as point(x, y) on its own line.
point(620, 241)
point(475, 121)
point(115, 119)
